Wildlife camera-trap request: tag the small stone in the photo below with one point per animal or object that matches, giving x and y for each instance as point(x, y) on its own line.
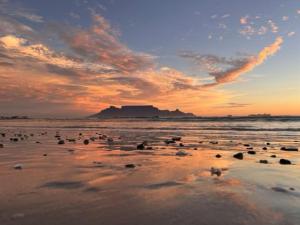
point(181, 153)
point(215, 171)
point(195, 148)
point(265, 148)
point(292, 189)
point(181, 145)
point(1, 146)
point(176, 138)
point(246, 145)
point(86, 142)
point(290, 149)
point(214, 142)
point(251, 152)
point(45, 155)
point(249, 148)
point(238, 156)
point(61, 142)
point(140, 147)
point(285, 162)
point(273, 156)
point(130, 166)
point(218, 156)
point(169, 142)
point(264, 161)
point(267, 143)
point(18, 167)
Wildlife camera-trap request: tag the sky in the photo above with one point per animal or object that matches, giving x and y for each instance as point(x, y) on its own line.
point(208, 57)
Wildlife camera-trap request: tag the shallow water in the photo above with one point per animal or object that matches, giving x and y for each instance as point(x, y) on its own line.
point(89, 184)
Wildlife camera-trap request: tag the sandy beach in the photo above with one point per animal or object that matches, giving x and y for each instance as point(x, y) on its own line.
point(109, 181)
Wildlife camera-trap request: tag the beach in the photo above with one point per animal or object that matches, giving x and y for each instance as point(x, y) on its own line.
point(183, 172)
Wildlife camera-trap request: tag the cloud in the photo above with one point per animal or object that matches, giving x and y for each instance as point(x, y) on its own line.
point(244, 20)
point(100, 44)
point(292, 33)
point(228, 70)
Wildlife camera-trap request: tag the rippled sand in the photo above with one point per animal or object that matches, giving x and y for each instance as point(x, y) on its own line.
point(89, 184)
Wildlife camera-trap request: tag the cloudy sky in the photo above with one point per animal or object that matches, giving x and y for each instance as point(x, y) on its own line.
point(209, 57)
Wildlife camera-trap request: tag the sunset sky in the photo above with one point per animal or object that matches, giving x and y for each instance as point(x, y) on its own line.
point(208, 57)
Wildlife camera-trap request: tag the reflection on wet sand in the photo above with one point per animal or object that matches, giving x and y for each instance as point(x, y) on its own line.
point(112, 182)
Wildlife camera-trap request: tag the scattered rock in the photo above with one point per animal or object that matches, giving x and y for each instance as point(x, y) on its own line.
point(246, 145)
point(110, 140)
point(130, 166)
point(265, 148)
point(285, 162)
point(45, 154)
point(215, 171)
point(169, 142)
point(264, 161)
point(239, 155)
point(3, 134)
point(290, 149)
point(181, 145)
point(181, 153)
point(86, 142)
point(214, 142)
point(273, 156)
point(176, 138)
point(1, 146)
point(249, 148)
point(292, 189)
point(218, 156)
point(267, 143)
point(140, 147)
point(18, 167)
point(251, 152)
point(61, 142)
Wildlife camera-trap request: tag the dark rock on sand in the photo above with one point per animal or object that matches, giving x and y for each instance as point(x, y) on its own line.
point(273, 156)
point(169, 142)
point(18, 167)
point(215, 171)
point(214, 142)
point(129, 166)
point(61, 142)
point(1, 146)
point(45, 155)
point(290, 149)
point(265, 148)
point(251, 152)
point(181, 153)
point(218, 156)
point(246, 145)
point(181, 145)
point(285, 162)
point(176, 138)
point(264, 161)
point(140, 147)
point(239, 155)
point(86, 142)
point(267, 143)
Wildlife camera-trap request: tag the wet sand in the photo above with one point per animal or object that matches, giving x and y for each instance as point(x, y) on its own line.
point(74, 183)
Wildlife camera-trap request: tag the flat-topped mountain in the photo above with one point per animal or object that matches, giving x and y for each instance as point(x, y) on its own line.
point(129, 111)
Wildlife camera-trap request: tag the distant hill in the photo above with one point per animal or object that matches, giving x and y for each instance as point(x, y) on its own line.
point(133, 111)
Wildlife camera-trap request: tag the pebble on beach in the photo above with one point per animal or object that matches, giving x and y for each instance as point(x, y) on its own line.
point(130, 165)
point(18, 166)
point(239, 155)
point(61, 142)
point(215, 171)
point(251, 152)
point(285, 162)
point(140, 147)
point(181, 153)
point(289, 149)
